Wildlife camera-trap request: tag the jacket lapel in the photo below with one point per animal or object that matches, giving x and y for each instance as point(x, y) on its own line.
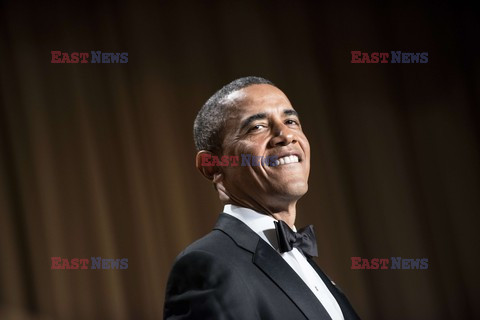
point(287, 279)
point(272, 264)
point(347, 309)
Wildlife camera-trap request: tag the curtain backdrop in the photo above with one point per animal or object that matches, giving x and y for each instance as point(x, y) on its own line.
point(97, 160)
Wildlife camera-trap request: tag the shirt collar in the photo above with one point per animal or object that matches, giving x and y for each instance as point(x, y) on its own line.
point(260, 223)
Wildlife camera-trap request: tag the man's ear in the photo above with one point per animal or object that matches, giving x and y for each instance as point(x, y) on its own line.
point(205, 165)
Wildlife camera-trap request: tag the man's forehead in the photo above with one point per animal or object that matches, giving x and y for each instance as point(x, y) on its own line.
point(259, 92)
point(257, 97)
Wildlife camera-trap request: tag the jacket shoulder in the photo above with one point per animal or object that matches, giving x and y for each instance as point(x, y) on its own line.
point(215, 243)
point(206, 283)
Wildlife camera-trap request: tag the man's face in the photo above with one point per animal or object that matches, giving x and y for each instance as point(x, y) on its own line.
point(262, 122)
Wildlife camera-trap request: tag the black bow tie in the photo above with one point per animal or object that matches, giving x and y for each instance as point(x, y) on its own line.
point(304, 239)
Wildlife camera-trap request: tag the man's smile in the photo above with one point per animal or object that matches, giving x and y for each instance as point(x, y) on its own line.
point(289, 159)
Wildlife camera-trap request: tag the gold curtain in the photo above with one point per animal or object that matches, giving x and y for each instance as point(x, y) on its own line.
point(98, 160)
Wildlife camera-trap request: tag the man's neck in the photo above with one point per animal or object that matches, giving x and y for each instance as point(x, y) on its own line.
point(286, 214)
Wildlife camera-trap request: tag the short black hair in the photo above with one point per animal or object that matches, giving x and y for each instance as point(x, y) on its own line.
point(210, 120)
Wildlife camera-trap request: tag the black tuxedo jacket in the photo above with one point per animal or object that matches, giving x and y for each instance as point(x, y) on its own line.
point(232, 273)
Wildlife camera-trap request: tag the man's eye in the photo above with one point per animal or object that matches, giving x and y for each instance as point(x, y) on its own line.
point(291, 121)
point(256, 127)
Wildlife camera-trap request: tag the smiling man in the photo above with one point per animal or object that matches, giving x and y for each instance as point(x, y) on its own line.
point(254, 264)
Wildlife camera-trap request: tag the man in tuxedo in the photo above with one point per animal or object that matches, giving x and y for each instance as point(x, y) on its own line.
point(254, 264)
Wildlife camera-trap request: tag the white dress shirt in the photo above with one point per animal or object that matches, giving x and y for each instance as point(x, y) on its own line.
point(264, 226)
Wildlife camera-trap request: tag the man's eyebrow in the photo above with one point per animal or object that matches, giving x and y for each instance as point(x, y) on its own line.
point(252, 118)
point(290, 112)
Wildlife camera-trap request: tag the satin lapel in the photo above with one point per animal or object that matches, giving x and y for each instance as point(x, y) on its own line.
point(347, 309)
point(243, 236)
point(267, 259)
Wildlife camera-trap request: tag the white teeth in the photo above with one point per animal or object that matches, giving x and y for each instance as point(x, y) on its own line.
point(287, 160)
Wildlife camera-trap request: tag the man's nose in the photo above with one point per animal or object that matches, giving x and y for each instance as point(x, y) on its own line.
point(283, 136)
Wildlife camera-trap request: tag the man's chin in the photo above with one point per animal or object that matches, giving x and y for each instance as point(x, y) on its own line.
point(292, 190)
